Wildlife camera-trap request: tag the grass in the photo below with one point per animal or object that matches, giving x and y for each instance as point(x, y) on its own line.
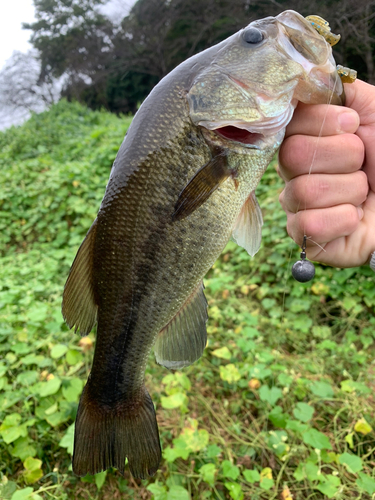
point(280, 406)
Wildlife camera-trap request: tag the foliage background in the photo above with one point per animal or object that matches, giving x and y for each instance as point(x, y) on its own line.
point(281, 405)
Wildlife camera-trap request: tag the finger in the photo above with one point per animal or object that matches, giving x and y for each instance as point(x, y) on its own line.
point(301, 154)
point(323, 225)
point(322, 120)
point(360, 96)
point(324, 191)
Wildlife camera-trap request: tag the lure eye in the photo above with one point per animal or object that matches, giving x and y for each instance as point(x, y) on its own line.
point(252, 35)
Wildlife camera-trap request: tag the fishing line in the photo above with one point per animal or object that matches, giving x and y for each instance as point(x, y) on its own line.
point(303, 270)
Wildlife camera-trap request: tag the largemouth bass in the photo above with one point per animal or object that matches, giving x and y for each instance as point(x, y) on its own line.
point(182, 184)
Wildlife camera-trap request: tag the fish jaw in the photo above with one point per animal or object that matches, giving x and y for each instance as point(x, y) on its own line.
point(256, 88)
point(321, 82)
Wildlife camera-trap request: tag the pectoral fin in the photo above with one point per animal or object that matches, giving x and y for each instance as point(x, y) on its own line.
point(183, 339)
point(247, 231)
point(202, 185)
point(78, 307)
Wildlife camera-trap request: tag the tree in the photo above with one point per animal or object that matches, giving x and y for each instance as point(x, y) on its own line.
point(115, 64)
point(21, 90)
point(73, 38)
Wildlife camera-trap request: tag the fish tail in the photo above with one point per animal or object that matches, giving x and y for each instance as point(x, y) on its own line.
point(106, 435)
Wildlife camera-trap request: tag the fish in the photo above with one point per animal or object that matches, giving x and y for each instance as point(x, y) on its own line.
point(182, 184)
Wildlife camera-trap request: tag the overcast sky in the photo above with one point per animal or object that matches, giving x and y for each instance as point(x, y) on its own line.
point(12, 36)
point(16, 12)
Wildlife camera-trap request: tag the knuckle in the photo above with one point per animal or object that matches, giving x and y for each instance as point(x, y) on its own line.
point(352, 219)
point(305, 190)
point(358, 150)
point(362, 186)
point(291, 226)
point(292, 155)
point(281, 198)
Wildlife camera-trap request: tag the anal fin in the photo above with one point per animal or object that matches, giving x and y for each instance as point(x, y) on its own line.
point(183, 339)
point(247, 231)
point(78, 306)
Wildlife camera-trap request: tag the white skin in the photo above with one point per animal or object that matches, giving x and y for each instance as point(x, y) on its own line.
point(335, 205)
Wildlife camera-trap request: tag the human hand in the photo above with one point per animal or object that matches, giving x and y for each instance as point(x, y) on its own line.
point(334, 206)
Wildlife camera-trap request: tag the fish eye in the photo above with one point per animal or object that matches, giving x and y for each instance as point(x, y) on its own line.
point(252, 35)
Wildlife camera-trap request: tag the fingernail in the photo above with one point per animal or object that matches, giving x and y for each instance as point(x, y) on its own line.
point(360, 213)
point(348, 121)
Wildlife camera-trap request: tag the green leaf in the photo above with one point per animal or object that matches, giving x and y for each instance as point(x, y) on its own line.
point(178, 451)
point(328, 457)
point(195, 439)
point(251, 476)
point(22, 494)
point(300, 474)
point(50, 387)
point(235, 491)
point(208, 473)
point(33, 470)
point(270, 395)
point(312, 471)
point(10, 428)
point(266, 483)
point(223, 353)
point(100, 479)
point(27, 377)
point(329, 485)
point(72, 390)
point(213, 451)
point(296, 426)
point(229, 373)
point(7, 488)
point(322, 390)
point(159, 491)
point(351, 462)
point(23, 448)
point(278, 418)
point(303, 412)
point(58, 351)
point(349, 439)
point(277, 441)
point(316, 439)
point(68, 440)
point(366, 483)
point(174, 401)
point(230, 470)
point(259, 371)
point(183, 380)
point(362, 427)
point(73, 357)
point(32, 463)
point(178, 493)
point(352, 386)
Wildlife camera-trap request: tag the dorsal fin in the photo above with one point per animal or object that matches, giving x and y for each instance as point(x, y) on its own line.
point(78, 307)
point(247, 231)
point(183, 339)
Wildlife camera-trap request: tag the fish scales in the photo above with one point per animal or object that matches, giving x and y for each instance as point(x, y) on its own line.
point(182, 184)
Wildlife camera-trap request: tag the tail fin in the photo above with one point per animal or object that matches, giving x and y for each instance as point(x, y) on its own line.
point(105, 436)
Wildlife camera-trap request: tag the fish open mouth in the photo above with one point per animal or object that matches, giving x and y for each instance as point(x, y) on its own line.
point(240, 135)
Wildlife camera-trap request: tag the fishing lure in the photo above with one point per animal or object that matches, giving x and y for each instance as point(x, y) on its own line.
point(303, 270)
